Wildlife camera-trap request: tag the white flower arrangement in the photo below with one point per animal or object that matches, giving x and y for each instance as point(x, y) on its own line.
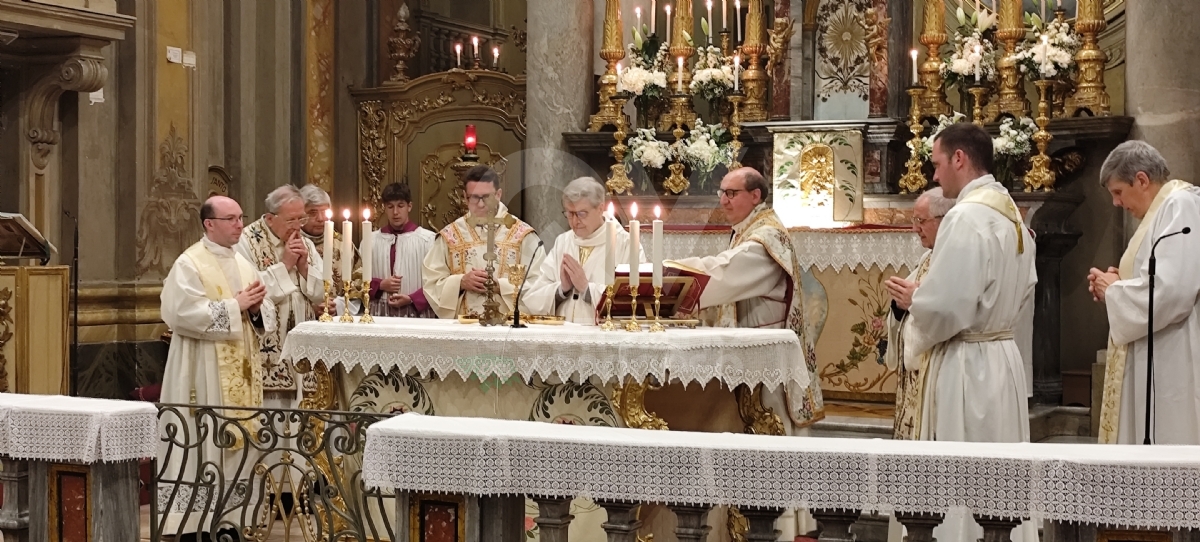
point(701, 151)
point(712, 76)
point(972, 58)
point(926, 144)
point(647, 76)
point(637, 80)
point(1050, 53)
point(647, 150)
point(1016, 137)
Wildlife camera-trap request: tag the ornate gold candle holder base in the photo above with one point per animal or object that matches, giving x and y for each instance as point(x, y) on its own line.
point(1040, 176)
point(348, 287)
point(619, 181)
point(680, 109)
point(656, 326)
point(913, 181)
point(632, 323)
point(1091, 94)
point(608, 324)
point(325, 317)
point(735, 128)
point(366, 302)
point(979, 94)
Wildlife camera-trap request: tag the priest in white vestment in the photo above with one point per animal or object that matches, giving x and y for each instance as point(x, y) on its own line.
point(1137, 177)
point(453, 273)
point(217, 308)
point(316, 203)
point(400, 247)
point(571, 280)
point(291, 270)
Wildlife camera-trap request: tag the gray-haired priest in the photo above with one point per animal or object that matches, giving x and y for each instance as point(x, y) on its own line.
point(571, 281)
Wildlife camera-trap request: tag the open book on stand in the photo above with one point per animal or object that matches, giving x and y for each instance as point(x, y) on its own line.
point(680, 298)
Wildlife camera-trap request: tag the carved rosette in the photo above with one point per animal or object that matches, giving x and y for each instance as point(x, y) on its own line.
point(83, 73)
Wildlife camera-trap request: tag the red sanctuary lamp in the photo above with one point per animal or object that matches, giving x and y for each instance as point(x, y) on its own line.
point(469, 139)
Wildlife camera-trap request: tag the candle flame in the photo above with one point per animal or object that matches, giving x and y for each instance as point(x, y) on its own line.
point(1045, 39)
point(367, 214)
point(914, 54)
point(346, 214)
point(475, 40)
point(458, 47)
point(496, 51)
point(633, 210)
point(709, 4)
point(638, 11)
point(328, 214)
point(612, 212)
point(657, 211)
point(667, 8)
point(737, 4)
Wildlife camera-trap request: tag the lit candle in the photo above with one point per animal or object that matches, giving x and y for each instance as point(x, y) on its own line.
point(1043, 10)
point(458, 55)
point(364, 247)
point(347, 245)
point(653, 17)
point(667, 8)
point(475, 44)
point(978, 67)
point(656, 234)
point(724, 15)
point(710, 21)
point(635, 249)
point(737, 12)
point(914, 66)
point(618, 77)
point(1058, 4)
point(638, 11)
point(327, 268)
point(469, 139)
point(610, 248)
point(495, 57)
point(679, 85)
point(737, 71)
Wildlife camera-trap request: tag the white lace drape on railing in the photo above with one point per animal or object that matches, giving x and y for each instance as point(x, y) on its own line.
point(58, 428)
point(1140, 487)
point(816, 249)
point(733, 356)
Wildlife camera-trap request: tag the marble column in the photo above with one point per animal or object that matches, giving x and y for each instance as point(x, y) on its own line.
point(781, 80)
point(561, 88)
point(900, 40)
point(797, 61)
point(1160, 87)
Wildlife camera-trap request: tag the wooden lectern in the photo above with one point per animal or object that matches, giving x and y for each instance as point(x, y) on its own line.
point(33, 312)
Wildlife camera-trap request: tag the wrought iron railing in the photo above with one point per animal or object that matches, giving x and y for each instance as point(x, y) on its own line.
point(250, 474)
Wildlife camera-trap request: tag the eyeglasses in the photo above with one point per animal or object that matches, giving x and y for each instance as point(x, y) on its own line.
point(729, 192)
point(241, 218)
point(294, 221)
point(580, 215)
point(921, 221)
point(480, 199)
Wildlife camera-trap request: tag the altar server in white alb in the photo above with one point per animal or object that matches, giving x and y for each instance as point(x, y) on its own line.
point(291, 270)
point(400, 247)
point(1137, 177)
point(454, 272)
point(572, 277)
point(964, 313)
point(217, 309)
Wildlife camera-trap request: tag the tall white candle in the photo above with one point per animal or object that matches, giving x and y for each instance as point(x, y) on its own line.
point(365, 248)
point(327, 243)
point(737, 71)
point(679, 83)
point(710, 21)
point(656, 237)
point(475, 44)
point(1043, 10)
point(347, 245)
point(978, 51)
point(737, 12)
point(618, 77)
point(667, 8)
point(457, 55)
point(638, 11)
point(635, 249)
point(1058, 4)
point(724, 15)
point(495, 57)
point(653, 17)
point(914, 66)
point(610, 248)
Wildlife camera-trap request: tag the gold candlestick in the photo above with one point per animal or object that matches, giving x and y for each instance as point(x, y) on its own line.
point(608, 324)
point(932, 99)
point(325, 317)
point(1040, 176)
point(914, 180)
point(1010, 98)
point(979, 93)
point(347, 287)
point(657, 326)
point(632, 324)
point(612, 51)
point(619, 181)
point(677, 183)
point(735, 129)
point(754, 79)
point(365, 292)
point(1090, 91)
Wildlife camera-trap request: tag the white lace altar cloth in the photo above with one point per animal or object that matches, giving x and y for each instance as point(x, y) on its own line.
point(734, 356)
point(1154, 487)
point(816, 249)
point(58, 428)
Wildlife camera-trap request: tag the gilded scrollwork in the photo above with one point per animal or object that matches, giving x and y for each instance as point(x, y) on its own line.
point(372, 122)
point(6, 334)
point(759, 419)
point(629, 400)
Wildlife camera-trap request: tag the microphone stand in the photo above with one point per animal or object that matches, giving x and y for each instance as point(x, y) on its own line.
point(74, 306)
point(517, 301)
point(1150, 333)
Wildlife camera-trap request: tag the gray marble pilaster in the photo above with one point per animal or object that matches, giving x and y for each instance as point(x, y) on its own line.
point(920, 526)
point(762, 524)
point(691, 522)
point(900, 38)
point(560, 95)
point(1160, 85)
point(115, 509)
point(835, 524)
point(997, 529)
point(554, 518)
point(502, 519)
point(622, 524)
point(14, 516)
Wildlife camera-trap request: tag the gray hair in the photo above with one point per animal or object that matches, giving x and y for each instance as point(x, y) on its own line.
point(313, 195)
point(1130, 157)
point(939, 205)
point(282, 196)
point(584, 188)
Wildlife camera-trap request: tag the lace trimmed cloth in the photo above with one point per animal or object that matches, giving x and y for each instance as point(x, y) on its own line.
point(734, 356)
point(58, 428)
point(817, 250)
point(1152, 487)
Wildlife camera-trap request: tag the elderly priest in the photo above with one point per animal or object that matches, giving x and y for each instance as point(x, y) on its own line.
point(453, 272)
point(571, 280)
point(1137, 177)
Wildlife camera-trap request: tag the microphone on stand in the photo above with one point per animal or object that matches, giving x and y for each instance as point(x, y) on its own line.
point(1150, 331)
point(517, 301)
point(74, 362)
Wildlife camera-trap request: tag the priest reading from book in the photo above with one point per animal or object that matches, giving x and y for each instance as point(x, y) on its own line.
point(453, 272)
point(400, 247)
point(571, 281)
point(1137, 177)
point(756, 284)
